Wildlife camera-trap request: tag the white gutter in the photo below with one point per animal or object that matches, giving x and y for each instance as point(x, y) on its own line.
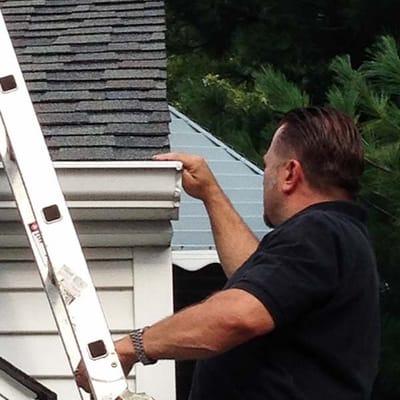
point(121, 190)
point(113, 204)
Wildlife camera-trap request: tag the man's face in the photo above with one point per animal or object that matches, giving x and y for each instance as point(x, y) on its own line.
point(273, 198)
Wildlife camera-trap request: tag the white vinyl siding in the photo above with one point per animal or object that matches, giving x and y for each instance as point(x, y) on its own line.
point(134, 285)
point(28, 334)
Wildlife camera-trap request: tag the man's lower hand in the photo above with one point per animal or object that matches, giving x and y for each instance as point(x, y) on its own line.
point(81, 377)
point(127, 357)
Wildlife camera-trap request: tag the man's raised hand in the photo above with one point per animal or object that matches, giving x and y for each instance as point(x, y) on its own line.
point(198, 180)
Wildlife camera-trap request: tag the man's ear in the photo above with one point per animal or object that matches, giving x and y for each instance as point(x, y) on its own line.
point(292, 175)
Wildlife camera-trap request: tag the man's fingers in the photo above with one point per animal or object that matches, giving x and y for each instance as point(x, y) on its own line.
point(186, 159)
point(198, 179)
point(167, 157)
point(81, 377)
point(83, 384)
point(163, 156)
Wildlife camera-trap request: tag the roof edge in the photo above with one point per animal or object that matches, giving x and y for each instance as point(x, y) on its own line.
point(216, 141)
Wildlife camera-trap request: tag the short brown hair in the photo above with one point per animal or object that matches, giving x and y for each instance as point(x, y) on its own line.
point(328, 144)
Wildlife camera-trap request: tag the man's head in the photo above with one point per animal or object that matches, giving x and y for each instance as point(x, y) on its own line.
point(315, 155)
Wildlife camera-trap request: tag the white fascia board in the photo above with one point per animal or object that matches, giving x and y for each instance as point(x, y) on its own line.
point(120, 190)
point(91, 254)
point(100, 234)
point(194, 260)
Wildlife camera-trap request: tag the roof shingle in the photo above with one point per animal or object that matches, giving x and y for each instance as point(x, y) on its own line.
point(96, 71)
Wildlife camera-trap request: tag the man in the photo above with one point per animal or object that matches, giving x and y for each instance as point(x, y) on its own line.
point(299, 315)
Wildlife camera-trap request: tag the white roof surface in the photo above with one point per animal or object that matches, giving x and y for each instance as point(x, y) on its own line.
point(240, 179)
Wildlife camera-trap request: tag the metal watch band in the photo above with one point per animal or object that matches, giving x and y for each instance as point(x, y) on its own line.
point(137, 339)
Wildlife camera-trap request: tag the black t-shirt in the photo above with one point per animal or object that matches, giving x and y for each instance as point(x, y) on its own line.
point(316, 274)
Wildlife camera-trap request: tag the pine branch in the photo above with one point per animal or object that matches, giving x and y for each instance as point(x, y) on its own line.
point(378, 166)
point(384, 67)
point(277, 92)
point(380, 209)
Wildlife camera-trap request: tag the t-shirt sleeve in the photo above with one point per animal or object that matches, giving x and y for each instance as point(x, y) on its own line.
point(295, 272)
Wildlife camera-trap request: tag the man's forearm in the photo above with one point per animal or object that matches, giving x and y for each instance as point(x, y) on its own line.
point(220, 323)
point(196, 332)
point(234, 240)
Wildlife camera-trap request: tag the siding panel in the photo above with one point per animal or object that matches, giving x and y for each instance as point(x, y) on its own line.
point(28, 335)
point(105, 274)
point(16, 316)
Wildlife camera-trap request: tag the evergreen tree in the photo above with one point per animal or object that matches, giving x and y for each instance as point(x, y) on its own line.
point(232, 38)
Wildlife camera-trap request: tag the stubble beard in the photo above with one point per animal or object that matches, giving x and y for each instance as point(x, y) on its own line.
point(270, 187)
point(268, 222)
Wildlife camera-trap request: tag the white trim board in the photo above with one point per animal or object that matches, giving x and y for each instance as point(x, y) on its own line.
point(194, 260)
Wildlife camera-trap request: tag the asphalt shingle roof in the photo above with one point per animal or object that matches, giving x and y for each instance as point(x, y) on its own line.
point(96, 71)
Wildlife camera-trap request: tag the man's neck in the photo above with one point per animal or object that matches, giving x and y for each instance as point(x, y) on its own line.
point(300, 203)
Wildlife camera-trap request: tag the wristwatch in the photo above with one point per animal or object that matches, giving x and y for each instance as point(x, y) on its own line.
point(137, 339)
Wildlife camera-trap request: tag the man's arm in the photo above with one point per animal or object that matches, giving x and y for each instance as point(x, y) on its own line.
point(234, 240)
point(223, 321)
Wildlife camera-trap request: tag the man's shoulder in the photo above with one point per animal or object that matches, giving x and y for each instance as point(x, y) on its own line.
point(327, 217)
point(314, 220)
point(320, 227)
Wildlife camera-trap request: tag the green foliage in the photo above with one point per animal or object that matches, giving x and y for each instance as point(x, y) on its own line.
point(345, 93)
point(390, 370)
point(384, 67)
point(298, 36)
point(234, 110)
point(277, 93)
